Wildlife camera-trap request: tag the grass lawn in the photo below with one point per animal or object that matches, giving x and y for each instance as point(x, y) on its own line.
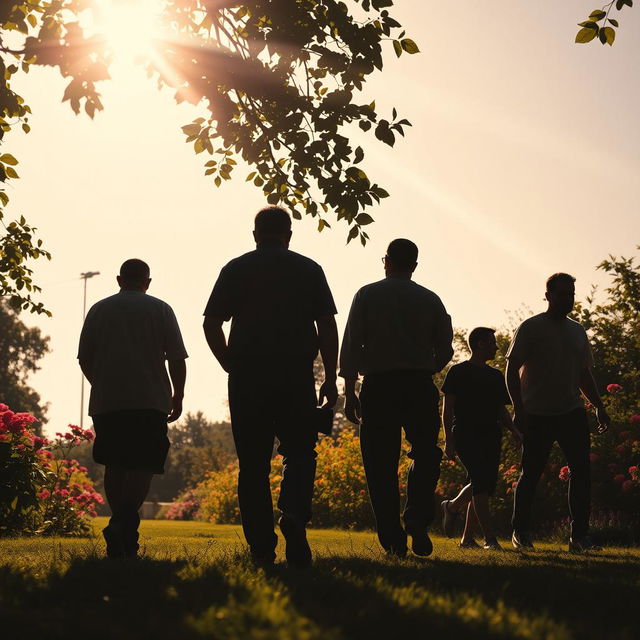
point(195, 580)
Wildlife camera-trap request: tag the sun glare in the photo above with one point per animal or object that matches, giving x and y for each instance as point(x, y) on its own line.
point(129, 26)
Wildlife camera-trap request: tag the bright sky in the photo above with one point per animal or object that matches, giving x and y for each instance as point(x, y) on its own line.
point(522, 161)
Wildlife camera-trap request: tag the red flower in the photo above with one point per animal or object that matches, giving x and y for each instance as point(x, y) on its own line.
point(564, 474)
point(635, 419)
point(614, 388)
point(627, 485)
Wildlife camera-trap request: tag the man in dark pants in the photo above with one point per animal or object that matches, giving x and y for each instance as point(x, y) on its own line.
point(282, 312)
point(548, 364)
point(398, 335)
point(124, 344)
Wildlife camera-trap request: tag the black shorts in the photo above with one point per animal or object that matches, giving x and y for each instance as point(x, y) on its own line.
point(133, 439)
point(479, 452)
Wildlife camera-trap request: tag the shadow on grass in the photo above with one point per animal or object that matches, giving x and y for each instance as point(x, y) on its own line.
point(538, 595)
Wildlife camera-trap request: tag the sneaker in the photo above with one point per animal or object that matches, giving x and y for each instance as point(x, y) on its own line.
point(492, 545)
point(421, 544)
point(521, 540)
point(583, 545)
point(297, 550)
point(449, 519)
point(469, 544)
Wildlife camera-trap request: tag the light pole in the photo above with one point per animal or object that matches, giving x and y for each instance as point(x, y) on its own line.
point(84, 276)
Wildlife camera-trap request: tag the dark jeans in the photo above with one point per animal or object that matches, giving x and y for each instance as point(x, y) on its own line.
point(571, 431)
point(391, 401)
point(267, 404)
point(479, 451)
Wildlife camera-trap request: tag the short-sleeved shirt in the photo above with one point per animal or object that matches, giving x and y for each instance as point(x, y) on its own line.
point(125, 342)
point(551, 354)
point(395, 324)
point(273, 297)
point(480, 392)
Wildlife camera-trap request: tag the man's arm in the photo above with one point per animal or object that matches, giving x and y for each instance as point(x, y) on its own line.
point(448, 406)
point(590, 390)
point(328, 339)
point(350, 359)
point(216, 340)
point(87, 369)
point(507, 423)
point(178, 375)
point(512, 375)
point(443, 339)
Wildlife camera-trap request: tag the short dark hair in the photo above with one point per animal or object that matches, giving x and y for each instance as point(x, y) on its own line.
point(134, 270)
point(403, 253)
point(274, 220)
point(479, 334)
point(554, 280)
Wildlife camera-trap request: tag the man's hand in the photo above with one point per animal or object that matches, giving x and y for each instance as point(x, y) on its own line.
point(176, 409)
point(329, 393)
point(604, 421)
point(450, 447)
point(352, 408)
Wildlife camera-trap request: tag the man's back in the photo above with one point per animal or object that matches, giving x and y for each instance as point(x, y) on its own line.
point(274, 296)
point(396, 324)
point(126, 339)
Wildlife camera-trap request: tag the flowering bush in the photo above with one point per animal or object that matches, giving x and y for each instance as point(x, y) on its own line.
point(42, 490)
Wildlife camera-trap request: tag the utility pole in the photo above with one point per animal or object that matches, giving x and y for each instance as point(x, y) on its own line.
point(84, 276)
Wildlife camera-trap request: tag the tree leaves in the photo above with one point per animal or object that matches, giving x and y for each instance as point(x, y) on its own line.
point(606, 31)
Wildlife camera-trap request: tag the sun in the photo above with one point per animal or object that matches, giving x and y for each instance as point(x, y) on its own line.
point(130, 27)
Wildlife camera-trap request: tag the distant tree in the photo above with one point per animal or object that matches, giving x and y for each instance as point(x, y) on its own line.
point(278, 82)
point(21, 349)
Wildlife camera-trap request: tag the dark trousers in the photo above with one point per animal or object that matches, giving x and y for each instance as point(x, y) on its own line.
point(571, 432)
point(265, 404)
point(391, 401)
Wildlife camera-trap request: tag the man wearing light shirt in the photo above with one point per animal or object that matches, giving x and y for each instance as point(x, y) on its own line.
point(397, 336)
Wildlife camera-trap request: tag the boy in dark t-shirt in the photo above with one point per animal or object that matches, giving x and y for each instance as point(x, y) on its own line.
point(474, 411)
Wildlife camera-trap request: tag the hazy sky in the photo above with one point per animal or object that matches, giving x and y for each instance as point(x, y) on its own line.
point(522, 161)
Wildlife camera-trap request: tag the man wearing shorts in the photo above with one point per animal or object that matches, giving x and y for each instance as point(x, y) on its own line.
point(474, 409)
point(125, 341)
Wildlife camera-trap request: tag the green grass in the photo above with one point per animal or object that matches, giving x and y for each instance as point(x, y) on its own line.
point(195, 580)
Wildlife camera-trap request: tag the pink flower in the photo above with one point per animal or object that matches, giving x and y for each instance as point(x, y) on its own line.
point(44, 494)
point(20, 447)
point(564, 474)
point(635, 419)
point(627, 485)
point(3, 408)
point(614, 388)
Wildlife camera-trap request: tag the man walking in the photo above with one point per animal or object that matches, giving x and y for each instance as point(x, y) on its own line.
point(548, 364)
point(282, 312)
point(398, 335)
point(124, 344)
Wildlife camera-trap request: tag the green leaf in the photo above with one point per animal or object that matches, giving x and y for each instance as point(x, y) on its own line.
point(191, 129)
point(409, 46)
point(614, 22)
point(598, 14)
point(586, 35)
point(609, 35)
point(7, 158)
point(352, 234)
point(363, 219)
point(397, 47)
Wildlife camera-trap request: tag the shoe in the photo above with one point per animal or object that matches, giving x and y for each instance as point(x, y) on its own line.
point(421, 543)
point(397, 552)
point(492, 545)
point(115, 543)
point(449, 519)
point(521, 540)
point(583, 545)
point(469, 544)
point(297, 550)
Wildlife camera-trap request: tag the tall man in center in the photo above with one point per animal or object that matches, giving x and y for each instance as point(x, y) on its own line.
point(398, 335)
point(282, 312)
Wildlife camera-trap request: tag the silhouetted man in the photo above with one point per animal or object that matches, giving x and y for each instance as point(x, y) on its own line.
point(124, 344)
point(549, 364)
point(275, 298)
point(398, 335)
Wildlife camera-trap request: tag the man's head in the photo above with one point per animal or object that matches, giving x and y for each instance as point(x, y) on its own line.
point(560, 293)
point(482, 342)
point(272, 225)
point(401, 258)
point(134, 275)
